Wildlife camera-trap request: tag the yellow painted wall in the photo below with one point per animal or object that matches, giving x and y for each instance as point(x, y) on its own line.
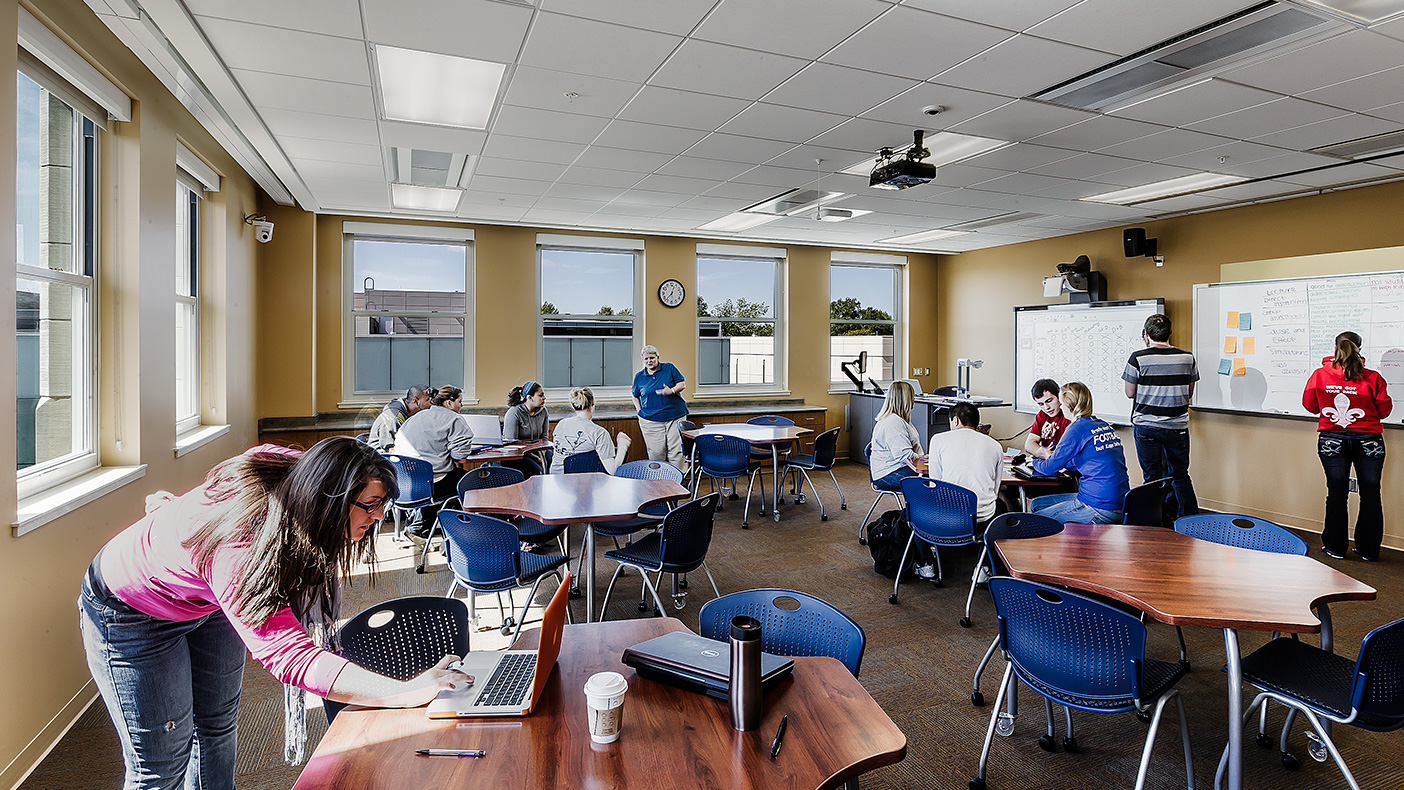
point(45, 683)
point(1240, 463)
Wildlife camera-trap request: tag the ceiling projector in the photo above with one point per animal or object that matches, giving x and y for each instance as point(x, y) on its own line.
point(908, 171)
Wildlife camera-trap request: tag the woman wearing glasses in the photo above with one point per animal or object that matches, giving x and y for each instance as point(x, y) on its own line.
point(248, 559)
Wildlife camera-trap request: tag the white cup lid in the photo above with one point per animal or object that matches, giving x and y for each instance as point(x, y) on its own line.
point(606, 684)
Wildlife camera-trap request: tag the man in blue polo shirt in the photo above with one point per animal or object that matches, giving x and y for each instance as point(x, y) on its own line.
point(1160, 381)
point(661, 407)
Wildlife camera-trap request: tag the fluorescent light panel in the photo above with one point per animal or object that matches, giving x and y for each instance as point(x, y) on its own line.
point(926, 235)
point(839, 214)
point(946, 148)
point(1367, 12)
point(425, 87)
point(739, 221)
point(421, 198)
point(1160, 189)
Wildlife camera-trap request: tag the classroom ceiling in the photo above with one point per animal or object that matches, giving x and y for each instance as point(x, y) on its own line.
point(660, 116)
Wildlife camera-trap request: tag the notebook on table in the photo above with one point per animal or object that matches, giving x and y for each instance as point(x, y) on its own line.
point(487, 431)
point(508, 683)
point(696, 663)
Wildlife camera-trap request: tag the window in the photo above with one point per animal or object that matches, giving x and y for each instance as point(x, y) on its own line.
point(588, 309)
point(410, 322)
point(187, 297)
point(738, 317)
point(55, 295)
point(864, 312)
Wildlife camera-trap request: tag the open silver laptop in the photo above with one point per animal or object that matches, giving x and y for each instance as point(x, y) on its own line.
point(486, 429)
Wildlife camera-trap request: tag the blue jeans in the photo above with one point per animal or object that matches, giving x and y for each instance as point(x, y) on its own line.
point(1338, 451)
point(1164, 452)
point(892, 481)
point(172, 689)
point(1068, 509)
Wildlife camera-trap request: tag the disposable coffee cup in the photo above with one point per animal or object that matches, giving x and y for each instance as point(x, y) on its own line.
point(604, 698)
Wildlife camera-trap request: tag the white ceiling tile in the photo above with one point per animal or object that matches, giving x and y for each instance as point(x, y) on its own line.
point(713, 169)
point(1196, 102)
point(720, 205)
point(330, 17)
point(548, 203)
point(489, 213)
point(1082, 166)
point(958, 104)
point(1253, 190)
point(633, 210)
point(433, 138)
point(757, 24)
point(1337, 59)
point(695, 216)
point(1021, 120)
point(726, 71)
point(1280, 114)
point(547, 89)
point(1226, 158)
point(599, 176)
point(322, 170)
point(568, 218)
point(508, 186)
point(599, 49)
point(908, 42)
point(1392, 112)
point(1363, 93)
point(1144, 173)
point(679, 184)
point(518, 168)
point(644, 197)
point(478, 29)
point(1395, 162)
point(481, 197)
point(332, 151)
point(345, 190)
point(1344, 174)
point(746, 193)
point(1279, 165)
point(1163, 145)
point(1070, 189)
point(1098, 132)
point(547, 125)
point(674, 16)
point(777, 122)
point(802, 158)
point(1126, 26)
point(282, 92)
point(1335, 130)
point(835, 89)
point(1002, 68)
point(621, 159)
point(314, 126)
point(682, 108)
point(648, 137)
point(1008, 14)
point(861, 134)
point(505, 147)
point(781, 178)
point(962, 176)
point(1020, 157)
point(252, 46)
point(1178, 203)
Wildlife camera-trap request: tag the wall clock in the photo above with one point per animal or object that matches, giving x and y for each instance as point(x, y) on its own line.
point(671, 293)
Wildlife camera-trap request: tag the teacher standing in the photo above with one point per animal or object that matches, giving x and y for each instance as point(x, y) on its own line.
point(661, 408)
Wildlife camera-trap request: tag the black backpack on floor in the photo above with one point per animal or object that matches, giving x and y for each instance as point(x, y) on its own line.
point(887, 538)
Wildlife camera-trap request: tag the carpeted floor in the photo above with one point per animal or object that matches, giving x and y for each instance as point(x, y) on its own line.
point(918, 666)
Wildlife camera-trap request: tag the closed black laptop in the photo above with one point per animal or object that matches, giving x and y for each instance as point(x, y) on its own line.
point(696, 663)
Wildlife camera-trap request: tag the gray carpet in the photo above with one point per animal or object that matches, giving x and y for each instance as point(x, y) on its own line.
point(918, 666)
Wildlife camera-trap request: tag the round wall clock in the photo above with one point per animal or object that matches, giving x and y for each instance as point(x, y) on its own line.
point(671, 293)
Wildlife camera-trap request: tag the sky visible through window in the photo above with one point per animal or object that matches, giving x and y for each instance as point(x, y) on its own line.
point(408, 266)
point(580, 283)
point(722, 279)
point(870, 286)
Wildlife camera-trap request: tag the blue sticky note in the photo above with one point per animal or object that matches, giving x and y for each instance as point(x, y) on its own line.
point(1245, 321)
point(1225, 367)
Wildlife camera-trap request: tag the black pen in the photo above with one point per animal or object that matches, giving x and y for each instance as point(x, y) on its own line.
point(779, 736)
point(452, 752)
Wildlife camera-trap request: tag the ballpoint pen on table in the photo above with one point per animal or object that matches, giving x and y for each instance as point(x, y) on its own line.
point(452, 752)
point(779, 736)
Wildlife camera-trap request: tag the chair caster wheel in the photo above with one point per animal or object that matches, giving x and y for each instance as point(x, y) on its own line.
point(1046, 743)
point(777, 517)
point(732, 497)
point(977, 698)
point(1264, 740)
point(965, 622)
point(843, 506)
point(575, 592)
point(977, 784)
point(823, 518)
point(682, 583)
point(1289, 762)
point(505, 630)
point(1070, 745)
point(1185, 664)
point(679, 604)
point(745, 525)
point(938, 583)
point(643, 607)
point(892, 599)
point(862, 541)
point(419, 569)
point(1142, 717)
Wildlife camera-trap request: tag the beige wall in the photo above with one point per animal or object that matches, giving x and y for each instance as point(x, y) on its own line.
point(45, 681)
point(1257, 465)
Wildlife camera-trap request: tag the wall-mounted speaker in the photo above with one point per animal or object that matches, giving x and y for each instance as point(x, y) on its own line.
point(1136, 244)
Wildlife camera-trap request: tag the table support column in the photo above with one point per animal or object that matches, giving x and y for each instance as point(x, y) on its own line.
point(588, 546)
point(1235, 710)
point(775, 480)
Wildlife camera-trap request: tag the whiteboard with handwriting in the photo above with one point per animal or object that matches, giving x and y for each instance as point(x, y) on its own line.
point(1258, 342)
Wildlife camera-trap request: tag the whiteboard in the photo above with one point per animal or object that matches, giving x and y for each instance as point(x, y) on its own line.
point(1280, 331)
point(1087, 342)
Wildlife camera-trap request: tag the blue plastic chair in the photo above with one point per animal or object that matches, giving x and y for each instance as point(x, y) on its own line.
point(531, 530)
point(1145, 504)
point(1080, 653)
point(584, 462)
point(649, 517)
point(403, 638)
point(1245, 532)
point(485, 556)
point(725, 458)
point(363, 438)
point(881, 492)
point(940, 514)
point(814, 628)
point(415, 479)
point(822, 459)
point(1367, 693)
point(679, 546)
point(770, 421)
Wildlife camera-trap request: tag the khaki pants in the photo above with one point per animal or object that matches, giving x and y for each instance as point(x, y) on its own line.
point(663, 440)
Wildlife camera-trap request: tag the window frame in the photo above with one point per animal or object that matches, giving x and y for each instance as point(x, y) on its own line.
point(898, 267)
point(590, 244)
point(777, 256)
point(189, 255)
point(414, 234)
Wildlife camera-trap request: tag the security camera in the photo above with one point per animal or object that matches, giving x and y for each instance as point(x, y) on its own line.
point(263, 229)
point(933, 109)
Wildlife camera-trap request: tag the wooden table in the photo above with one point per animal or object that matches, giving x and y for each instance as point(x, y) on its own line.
point(1185, 581)
point(920, 465)
point(671, 738)
point(579, 498)
point(763, 435)
point(507, 452)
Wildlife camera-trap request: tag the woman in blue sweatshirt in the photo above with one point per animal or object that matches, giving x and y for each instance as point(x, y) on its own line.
point(1091, 448)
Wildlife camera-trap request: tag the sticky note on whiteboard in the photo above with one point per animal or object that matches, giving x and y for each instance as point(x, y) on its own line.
point(1245, 322)
point(1240, 366)
point(1232, 320)
point(1225, 367)
point(1231, 344)
point(1249, 346)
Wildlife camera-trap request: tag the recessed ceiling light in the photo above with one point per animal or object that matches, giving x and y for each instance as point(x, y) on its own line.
point(1160, 189)
point(1367, 12)
point(421, 198)
point(741, 220)
point(425, 87)
point(926, 235)
point(826, 214)
point(946, 148)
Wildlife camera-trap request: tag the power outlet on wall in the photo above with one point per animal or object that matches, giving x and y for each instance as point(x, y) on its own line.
point(1354, 486)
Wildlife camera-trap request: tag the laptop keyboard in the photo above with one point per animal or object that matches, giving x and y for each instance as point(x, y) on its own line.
point(510, 681)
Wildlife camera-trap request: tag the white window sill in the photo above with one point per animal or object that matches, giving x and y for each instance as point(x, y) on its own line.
point(737, 392)
point(40, 509)
point(198, 437)
point(380, 404)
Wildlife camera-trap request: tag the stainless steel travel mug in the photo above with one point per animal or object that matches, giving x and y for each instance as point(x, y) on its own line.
point(745, 688)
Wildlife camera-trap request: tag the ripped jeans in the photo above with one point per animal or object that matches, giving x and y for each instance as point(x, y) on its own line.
point(1338, 450)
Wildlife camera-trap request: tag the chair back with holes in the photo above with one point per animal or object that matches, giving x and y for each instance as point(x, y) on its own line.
point(482, 550)
point(403, 638)
point(826, 448)
point(771, 421)
point(1245, 532)
point(415, 479)
point(723, 456)
point(1144, 504)
point(1017, 526)
point(583, 462)
point(687, 534)
point(814, 628)
point(649, 470)
point(948, 391)
point(1070, 645)
point(489, 477)
point(686, 425)
point(939, 512)
point(1378, 691)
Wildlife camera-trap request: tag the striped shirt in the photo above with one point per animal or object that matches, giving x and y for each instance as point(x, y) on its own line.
point(1164, 377)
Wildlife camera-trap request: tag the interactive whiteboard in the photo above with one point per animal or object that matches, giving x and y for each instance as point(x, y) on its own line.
point(1258, 342)
point(1089, 343)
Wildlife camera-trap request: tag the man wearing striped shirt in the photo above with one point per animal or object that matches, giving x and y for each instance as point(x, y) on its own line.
point(1160, 381)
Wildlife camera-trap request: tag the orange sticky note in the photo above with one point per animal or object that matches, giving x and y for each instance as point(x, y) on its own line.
point(1249, 346)
point(1231, 344)
point(1239, 366)
point(1232, 320)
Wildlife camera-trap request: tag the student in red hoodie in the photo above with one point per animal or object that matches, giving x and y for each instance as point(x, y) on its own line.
point(1351, 400)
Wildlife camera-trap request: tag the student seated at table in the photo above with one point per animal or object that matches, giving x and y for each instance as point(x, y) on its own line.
point(1049, 423)
point(1092, 448)
point(970, 459)
point(580, 434)
point(528, 421)
point(895, 439)
point(437, 435)
point(387, 424)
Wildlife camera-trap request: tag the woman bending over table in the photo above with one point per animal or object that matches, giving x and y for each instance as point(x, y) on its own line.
point(580, 434)
point(895, 439)
point(249, 559)
point(1090, 447)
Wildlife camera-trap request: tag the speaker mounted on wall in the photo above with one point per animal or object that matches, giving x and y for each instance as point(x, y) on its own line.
point(1136, 244)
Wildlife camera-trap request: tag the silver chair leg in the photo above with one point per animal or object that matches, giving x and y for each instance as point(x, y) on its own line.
point(900, 567)
point(605, 606)
point(976, 696)
point(994, 715)
point(974, 582)
point(1150, 739)
point(708, 571)
point(843, 503)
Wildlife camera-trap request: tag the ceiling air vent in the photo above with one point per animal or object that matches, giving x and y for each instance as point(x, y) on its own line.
point(431, 168)
point(1387, 143)
point(1250, 33)
point(999, 219)
point(795, 201)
